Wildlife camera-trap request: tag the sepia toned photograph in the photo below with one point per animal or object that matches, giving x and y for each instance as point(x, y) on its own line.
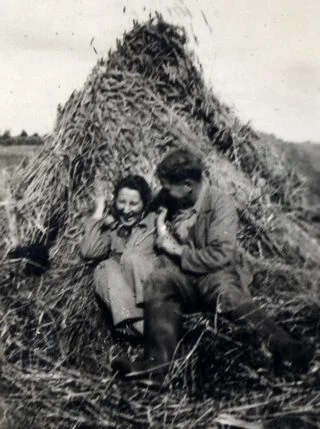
point(160, 214)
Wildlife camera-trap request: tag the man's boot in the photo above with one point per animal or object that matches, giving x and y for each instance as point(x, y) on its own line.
point(162, 326)
point(283, 347)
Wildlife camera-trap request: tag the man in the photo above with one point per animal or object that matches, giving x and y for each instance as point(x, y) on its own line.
point(199, 272)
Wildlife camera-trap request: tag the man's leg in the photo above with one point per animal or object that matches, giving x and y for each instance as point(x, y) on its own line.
point(224, 289)
point(167, 294)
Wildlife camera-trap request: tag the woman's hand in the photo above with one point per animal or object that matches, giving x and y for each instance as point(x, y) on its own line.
point(108, 220)
point(100, 203)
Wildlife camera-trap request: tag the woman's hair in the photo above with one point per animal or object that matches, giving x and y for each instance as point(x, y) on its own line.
point(179, 165)
point(136, 182)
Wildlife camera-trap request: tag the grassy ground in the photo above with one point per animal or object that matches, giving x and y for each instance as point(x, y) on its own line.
point(12, 155)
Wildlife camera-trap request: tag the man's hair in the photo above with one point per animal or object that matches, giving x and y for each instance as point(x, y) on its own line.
point(136, 182)
point(179, 165)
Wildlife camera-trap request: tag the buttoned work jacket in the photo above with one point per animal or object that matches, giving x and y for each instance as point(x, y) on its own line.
point(211, 244)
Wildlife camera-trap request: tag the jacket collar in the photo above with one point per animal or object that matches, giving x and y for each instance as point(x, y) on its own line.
point(205, 203)
point(202, 197)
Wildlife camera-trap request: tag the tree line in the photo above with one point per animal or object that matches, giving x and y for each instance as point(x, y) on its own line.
point(6, 139)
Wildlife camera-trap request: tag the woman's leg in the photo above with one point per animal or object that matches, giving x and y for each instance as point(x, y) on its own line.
point(136, 268)
point(114, 290)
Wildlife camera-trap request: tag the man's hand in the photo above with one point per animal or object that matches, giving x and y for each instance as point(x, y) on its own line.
point(161, 222)
point(170, 245)
point(165, 241)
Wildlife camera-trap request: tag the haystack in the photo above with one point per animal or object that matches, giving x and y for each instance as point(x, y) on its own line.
point(145, 98)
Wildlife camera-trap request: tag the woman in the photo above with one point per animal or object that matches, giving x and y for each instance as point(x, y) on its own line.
point(124, 244)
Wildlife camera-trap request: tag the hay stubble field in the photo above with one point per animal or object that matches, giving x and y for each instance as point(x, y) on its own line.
point(10, 158)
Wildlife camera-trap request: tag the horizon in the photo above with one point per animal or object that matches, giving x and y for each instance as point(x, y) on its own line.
point(42, 136)
point(262, 60)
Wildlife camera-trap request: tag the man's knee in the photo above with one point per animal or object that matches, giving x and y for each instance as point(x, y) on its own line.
point(160, 284)
point(223, 288)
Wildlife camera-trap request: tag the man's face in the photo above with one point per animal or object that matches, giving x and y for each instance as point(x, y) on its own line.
point(180, 192)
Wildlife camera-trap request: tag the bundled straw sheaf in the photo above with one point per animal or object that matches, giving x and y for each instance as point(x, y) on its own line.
point(145, 98)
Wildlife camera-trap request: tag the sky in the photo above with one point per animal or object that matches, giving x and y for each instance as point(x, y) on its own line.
point(262, 58)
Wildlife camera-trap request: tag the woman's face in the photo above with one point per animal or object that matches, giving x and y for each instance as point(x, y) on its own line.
point(129, 206)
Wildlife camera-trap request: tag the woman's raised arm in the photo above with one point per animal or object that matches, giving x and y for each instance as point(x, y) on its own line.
point(95, 243)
